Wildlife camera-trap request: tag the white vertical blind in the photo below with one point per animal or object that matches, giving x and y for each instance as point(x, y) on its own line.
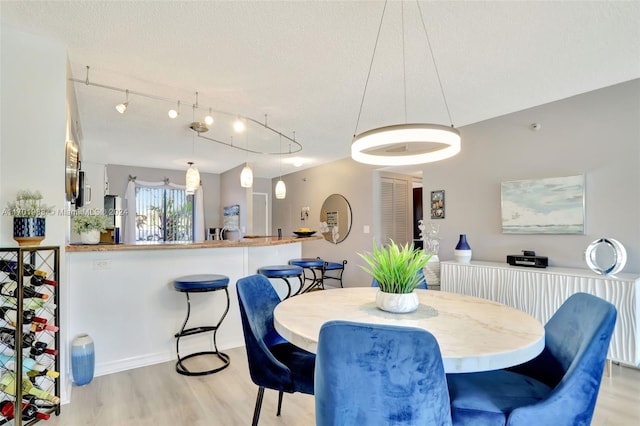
point(394, 200)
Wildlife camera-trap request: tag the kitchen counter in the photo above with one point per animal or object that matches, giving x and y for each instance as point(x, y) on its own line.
point(164, 245)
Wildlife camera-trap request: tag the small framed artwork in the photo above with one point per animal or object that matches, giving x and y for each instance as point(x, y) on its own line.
point(437, 204)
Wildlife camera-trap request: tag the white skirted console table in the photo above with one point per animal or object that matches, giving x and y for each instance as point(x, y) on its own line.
point(540, 292)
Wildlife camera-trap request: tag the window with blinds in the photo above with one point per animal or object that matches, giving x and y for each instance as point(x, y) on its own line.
point(163, 214)
point(395, 218)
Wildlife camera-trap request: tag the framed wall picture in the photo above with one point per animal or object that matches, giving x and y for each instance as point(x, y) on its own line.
point(437, 204)
point(543, 206)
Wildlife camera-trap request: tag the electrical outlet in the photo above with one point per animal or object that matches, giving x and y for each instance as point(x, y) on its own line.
point(101, 265)
point(366, 229)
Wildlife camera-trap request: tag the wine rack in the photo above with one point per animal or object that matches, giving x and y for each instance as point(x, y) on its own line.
point(29, 338)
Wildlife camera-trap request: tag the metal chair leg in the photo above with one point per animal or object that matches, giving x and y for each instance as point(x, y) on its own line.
point(279, 402)
point(256, 411)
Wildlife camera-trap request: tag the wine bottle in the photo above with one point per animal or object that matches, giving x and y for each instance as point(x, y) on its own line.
point(11, 267)
point(41, 326)
point(11, 289)
point(8, 385)
point(10, 315)
point(28, 365)
point(30, 303)
point(38, 280)
point(29, 411)
point(7, 336)
point(39, 348)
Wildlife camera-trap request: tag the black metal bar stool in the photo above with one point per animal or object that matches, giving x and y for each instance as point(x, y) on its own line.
point(315, 267)
point(284, 272)
point(200, 284)
point(336, 269)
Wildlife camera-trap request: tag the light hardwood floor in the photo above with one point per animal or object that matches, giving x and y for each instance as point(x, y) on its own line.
point(159, 396)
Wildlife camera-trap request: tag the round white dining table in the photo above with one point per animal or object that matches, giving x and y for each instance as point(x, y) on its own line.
point(474, 334)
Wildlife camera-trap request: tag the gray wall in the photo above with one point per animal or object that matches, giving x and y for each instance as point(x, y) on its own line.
point(596, 134)
point(309, 188)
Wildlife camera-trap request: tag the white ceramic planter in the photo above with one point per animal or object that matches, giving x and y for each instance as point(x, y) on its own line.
point(398, 303)
point(91, 237)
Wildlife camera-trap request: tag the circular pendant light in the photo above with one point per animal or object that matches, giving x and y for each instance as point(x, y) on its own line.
point(405, 144)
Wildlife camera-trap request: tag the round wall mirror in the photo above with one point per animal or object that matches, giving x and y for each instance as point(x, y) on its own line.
point(335, 218)
point(606, 256)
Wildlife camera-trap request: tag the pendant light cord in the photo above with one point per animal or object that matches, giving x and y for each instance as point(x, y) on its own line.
point(435, 66)
point(404, 63)
point(375, 47)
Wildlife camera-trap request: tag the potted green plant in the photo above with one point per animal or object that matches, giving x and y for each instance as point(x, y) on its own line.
point(396, 268)
point(29, 214)
point(89, 226)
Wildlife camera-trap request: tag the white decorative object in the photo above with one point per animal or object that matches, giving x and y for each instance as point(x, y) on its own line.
point(431, 245)
point(432, 271)
point(540, 292)
point(606, 256)
point(90, 237)
point(398, 303)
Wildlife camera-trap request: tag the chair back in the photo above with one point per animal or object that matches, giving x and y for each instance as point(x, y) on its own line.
point(577, 340)
point(257, 299)
point(370, 374)
point(423, 281)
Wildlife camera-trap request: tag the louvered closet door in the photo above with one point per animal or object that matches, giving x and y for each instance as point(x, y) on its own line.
point(394, 200)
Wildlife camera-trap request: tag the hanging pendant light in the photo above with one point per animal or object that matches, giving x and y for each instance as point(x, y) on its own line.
point(193, 179)
point(409, 143)
point(246, 177)
point(281, 188)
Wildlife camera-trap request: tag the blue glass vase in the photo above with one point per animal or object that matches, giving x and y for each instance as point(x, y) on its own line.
point(462, 253)
point(83, 359)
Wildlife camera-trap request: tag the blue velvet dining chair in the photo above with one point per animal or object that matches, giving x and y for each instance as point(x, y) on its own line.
point(274, 363)
point(370, 374)
point(420, 273)
point(558, 387)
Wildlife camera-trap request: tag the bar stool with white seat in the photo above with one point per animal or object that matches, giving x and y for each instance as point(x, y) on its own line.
point(201, 284)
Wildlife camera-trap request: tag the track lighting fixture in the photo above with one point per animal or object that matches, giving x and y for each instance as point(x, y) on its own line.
point(121, 108)
point(240, 123)
point(239, 126)
point(173, 113)
point(209, 118)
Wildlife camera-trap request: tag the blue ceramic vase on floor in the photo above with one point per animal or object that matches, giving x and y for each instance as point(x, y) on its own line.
point(82, 359)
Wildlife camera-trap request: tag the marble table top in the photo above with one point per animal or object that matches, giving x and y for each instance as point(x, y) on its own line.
point(474, 334)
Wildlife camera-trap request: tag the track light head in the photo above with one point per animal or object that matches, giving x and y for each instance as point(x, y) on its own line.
point(121, 108)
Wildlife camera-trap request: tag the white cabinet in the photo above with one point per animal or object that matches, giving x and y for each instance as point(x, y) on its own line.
point(540, 292)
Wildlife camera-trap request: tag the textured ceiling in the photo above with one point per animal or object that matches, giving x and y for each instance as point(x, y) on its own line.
point(304, 65)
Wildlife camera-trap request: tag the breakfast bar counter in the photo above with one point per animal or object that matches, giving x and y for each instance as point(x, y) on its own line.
point(170, 245)
point(123, 297)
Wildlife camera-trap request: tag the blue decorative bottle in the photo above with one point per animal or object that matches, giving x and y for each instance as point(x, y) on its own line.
point(82, 359)
point(462, 252)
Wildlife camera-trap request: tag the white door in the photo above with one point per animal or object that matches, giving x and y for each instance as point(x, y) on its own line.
point(260, 214)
